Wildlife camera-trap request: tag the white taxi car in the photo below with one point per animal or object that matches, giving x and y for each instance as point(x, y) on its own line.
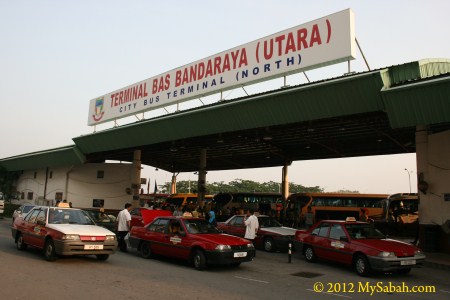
point(62, 231)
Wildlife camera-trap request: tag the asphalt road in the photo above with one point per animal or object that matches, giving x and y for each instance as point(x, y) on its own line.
point(26, 274)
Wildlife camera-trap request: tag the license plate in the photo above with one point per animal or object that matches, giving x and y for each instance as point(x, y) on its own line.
point(240, 254)
point(407, 262)
point(93, 247)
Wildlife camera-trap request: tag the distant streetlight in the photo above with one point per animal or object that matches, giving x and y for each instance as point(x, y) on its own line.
point(409, 178)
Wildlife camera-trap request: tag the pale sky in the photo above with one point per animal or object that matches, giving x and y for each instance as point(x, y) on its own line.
point(55, 56)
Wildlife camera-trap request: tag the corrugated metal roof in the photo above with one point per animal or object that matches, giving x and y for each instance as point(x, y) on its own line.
point(64, 156)
point(419, 103)
point(370, 113)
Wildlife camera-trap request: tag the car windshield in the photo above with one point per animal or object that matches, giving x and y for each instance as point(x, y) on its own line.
point(198, 226)
point(68, 216)
point(99, 216)
point(268, 222)
point(363, 231)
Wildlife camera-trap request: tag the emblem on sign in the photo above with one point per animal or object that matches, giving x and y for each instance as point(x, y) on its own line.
point(98, 110)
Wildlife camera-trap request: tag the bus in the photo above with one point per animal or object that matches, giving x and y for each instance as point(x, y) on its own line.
point(400, 208)
point(186, 199)
point(264, 202)
point(337, 206)
point(400, 215)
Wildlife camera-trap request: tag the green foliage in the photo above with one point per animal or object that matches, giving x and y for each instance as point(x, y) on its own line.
point(7, 180)
point(241, 185)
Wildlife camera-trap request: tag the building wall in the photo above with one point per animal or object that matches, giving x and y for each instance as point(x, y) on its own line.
point(433, 167)
point(80, 185)
point(434, 209)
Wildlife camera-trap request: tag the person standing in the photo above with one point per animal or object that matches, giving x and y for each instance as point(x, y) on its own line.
point(123, 226)
point(212, 218)
point(252, 225)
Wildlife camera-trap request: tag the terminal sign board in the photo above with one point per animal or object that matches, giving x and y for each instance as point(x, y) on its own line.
point(321, 42)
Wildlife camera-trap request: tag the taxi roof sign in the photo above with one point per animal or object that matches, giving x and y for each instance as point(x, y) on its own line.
point(350, 219)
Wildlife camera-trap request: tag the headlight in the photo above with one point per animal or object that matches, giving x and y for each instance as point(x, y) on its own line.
point(418, 252)
point(75, 237)
point(223, 247)
point(110, 237)
point(386, 254)
point(250, 245)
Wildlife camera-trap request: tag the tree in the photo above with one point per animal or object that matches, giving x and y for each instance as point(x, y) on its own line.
point(7, 180)
point(242, 185)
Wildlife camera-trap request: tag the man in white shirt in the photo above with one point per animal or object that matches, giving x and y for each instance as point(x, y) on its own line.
point(252, 224)
point(123, 226)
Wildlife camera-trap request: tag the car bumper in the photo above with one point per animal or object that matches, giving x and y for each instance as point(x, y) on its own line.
point(78, 248)
point(396, 263)
point(228, 257)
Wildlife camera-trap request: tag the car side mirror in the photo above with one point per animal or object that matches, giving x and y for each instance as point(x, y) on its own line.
point(182, 233)
point(41, 222)
point(343, 239)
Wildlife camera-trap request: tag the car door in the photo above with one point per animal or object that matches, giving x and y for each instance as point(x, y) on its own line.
point(236, 226)
point(338, 246)
point(26, 226)
point(36, 228)
point(156, 235)
point(320, 239)
point(178, 243)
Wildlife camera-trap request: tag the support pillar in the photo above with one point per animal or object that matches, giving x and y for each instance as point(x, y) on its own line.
point(202, 178)
point(173, 185)
point(285, 189)
point(136, 178)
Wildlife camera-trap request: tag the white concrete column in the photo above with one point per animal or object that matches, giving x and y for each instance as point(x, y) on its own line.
point(422, 170)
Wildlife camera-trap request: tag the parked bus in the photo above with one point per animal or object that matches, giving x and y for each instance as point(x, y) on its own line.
point(400, 208)
point(337, 206)
point(183, 199)
point(400, 215)
point(264, 202)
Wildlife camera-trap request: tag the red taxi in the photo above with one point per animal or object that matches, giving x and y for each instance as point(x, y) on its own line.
point(271, 234)
point(358, 244)
point(191, 239)
point(62, 231)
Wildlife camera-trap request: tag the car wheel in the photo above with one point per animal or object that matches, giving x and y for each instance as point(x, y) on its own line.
point(49, 250)
point(362, 266)
point(102, 257)
point(269, 245)
point(199, 260)
point(310, 256)
point(146, 251)
point(20, 243)
point(404, 271)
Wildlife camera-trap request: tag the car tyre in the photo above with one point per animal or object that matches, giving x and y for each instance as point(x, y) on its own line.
point(362, 266)
point(310, 255)
point(102, 257)
point(20, 243)
point(269, 244)
point(199, 260)
point(49, 250)
point(146, 251)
